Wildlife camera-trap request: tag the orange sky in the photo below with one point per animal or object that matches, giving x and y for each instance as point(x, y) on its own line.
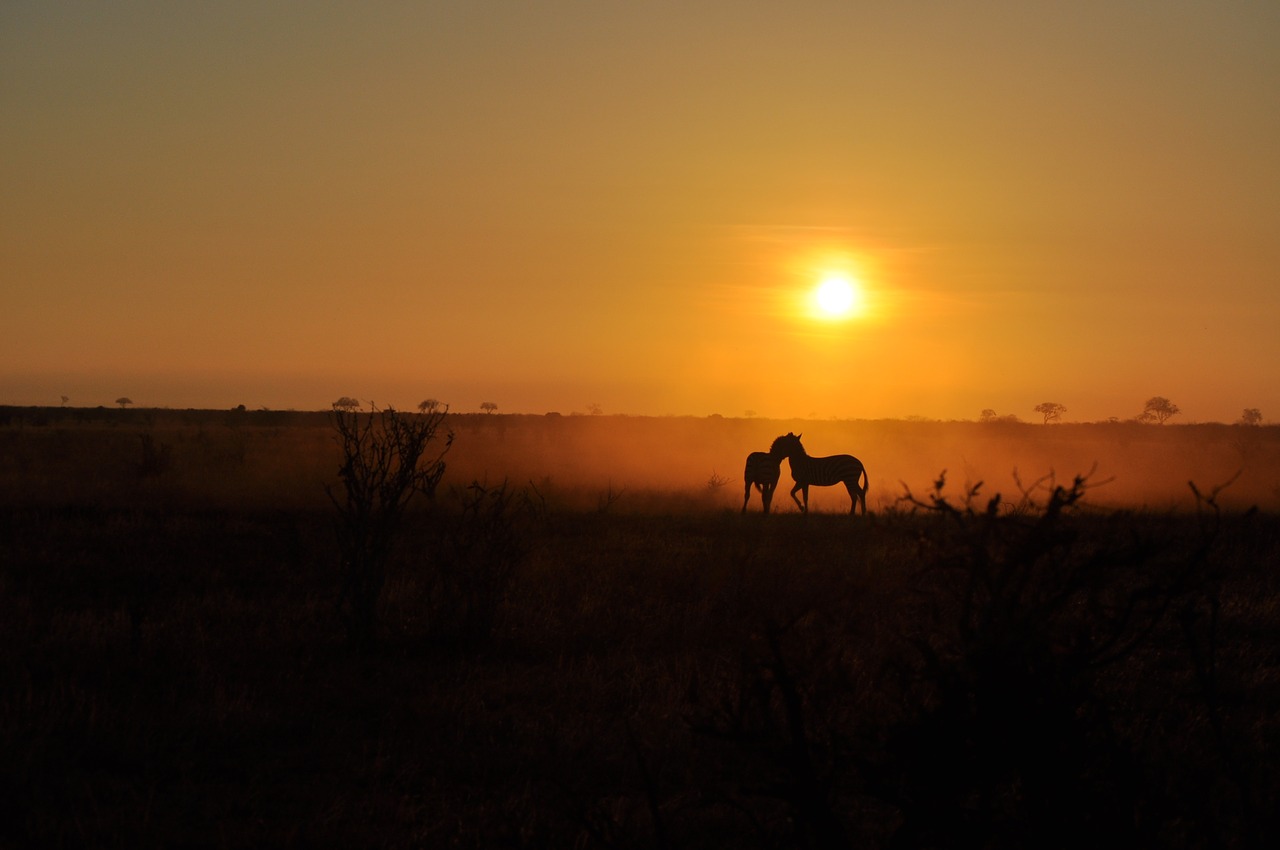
point(558, 204)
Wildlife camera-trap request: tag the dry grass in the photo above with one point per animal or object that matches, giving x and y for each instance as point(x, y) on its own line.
point(660, 671)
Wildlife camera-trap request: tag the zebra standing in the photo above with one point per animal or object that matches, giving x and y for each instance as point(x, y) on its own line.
point(763, 470)
point(822, 471)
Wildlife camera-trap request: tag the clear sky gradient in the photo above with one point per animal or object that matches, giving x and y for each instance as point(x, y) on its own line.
point(558, 204)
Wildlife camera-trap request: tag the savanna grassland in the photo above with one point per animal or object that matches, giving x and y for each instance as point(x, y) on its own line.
point(580, 642)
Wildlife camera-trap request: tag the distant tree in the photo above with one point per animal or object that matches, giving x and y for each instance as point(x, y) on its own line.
point(346, 403)
point(65, 399)
point(595, 409)
point(488, 406)
point(239, 408)
point(988, 415)
point(124, 401)
point(430, 405)
point(751, 414)
point(1158, 409)
point(1251, 416)
point(1050, 410)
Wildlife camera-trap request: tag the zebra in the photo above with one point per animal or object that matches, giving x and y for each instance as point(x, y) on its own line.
point(763, 470)
point(822, 471)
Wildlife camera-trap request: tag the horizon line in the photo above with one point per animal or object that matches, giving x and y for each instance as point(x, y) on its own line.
point(1007, 419)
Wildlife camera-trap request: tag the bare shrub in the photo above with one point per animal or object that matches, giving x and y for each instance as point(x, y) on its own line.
point(987, 712)
point(606, 500)
point(475, 559)
point(388, 459)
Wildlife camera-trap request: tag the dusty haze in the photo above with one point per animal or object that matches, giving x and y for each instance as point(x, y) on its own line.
point(277, 459)
point(1147, 465)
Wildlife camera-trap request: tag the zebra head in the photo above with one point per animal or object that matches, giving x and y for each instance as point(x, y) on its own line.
point(787, 445)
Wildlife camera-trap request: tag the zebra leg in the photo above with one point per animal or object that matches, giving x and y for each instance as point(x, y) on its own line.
point(766, 495)
point(746, 497)
point(855, 493)
point(804, 508)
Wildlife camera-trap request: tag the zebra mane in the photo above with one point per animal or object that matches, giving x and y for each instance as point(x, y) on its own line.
point(781, 444)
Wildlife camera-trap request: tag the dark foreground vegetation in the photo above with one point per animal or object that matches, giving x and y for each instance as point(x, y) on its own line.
point(560, 666)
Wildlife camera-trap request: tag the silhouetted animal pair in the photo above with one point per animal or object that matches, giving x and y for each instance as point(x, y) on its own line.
point(765, 468)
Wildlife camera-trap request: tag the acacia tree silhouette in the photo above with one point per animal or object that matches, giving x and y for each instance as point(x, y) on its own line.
point(1050, 410)
point(1159, 409)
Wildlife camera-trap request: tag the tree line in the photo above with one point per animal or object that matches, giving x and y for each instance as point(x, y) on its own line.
point(1157, 410)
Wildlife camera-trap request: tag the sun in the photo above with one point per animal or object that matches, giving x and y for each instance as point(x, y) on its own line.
point(837, 296)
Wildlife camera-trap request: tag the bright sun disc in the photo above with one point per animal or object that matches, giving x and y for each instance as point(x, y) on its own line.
point(835, 297)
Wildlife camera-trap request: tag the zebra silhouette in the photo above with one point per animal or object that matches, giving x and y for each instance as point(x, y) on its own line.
point(763, 470)
point(823, 472)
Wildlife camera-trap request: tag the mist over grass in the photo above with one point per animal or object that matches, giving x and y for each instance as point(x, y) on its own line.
point(1146, 465)
point(284, 458)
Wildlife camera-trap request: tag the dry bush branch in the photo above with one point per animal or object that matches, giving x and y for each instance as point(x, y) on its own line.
point(386, 462)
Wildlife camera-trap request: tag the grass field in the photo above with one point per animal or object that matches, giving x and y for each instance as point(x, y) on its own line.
point(621, 659)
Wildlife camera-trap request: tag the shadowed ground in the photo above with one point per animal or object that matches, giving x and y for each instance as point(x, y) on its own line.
point(660, 671)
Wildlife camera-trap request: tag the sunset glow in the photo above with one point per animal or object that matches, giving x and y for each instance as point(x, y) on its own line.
point(714, 424)
point(601, 204)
